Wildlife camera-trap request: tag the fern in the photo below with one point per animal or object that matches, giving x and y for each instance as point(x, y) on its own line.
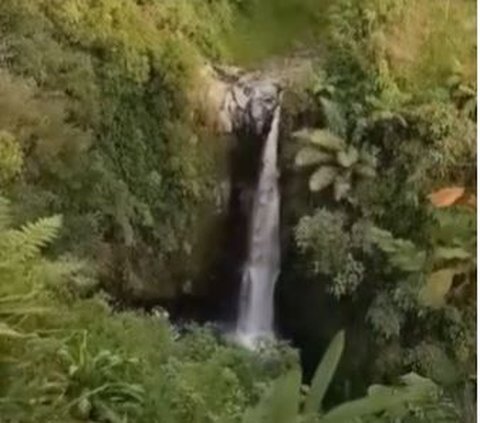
point(402, 254)
point(25, 273)
point(20, 245)
point(5, 215)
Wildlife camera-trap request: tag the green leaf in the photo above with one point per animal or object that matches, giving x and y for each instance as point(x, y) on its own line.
point(8, 332)
point(402, 254)
point(308, 156)
point(334, 116)
point(444, 253)
point(280, 403)
point(23, 310)
point(324, 374)
point(286, 398)
point(382, 398)
point(347, 158)
point(322, 138)
point(5, 213)
point(364, 170)
point(322, 178)
point(341, 187)
point(436, 287)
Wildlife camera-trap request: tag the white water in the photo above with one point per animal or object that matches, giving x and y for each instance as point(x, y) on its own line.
point(256, 317)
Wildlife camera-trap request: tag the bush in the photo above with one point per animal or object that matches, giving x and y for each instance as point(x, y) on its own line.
point(400, 98)
point(68, 357)
point(99, 99)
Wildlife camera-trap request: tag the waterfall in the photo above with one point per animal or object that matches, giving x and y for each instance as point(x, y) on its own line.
point(256, 315)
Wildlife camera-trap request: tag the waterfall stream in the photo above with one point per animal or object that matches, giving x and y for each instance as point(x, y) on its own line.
point(256, 314)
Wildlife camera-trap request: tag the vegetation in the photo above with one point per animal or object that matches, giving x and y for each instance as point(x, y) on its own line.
point(281, 403)
point(67, 357)
point(109, 178)
point(405, 263)
point(340, 163)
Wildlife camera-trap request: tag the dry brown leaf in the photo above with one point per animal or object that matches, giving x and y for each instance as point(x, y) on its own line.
point(446, 197)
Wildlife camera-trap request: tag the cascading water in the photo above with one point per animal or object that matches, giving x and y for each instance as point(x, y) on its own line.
point(256, 316)
point(251, 109)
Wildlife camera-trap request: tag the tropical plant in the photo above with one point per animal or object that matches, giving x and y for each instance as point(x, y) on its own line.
point(451, 255)
point(25, 272)
point(11, 158)
point(338, 163)
point(283, 402)
point(96, 384)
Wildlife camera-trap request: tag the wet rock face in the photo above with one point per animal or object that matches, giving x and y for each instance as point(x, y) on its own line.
point(250, 103)
point(236, 101)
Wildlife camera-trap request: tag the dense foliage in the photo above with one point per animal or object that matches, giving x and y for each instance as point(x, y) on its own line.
point(406, 266)
point(109, 173)
point(97, 97)
point(66, 356)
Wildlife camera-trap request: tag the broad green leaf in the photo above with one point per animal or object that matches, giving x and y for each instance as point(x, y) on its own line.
point(347, 158)
point(322, 178)
point(409, 259)
point(436, 287)
point(286, 398)
point(416, 390)
point(444, 253)
point(321, 138)
point(308, 156)
point(412, 379)
point(324, 374)
point(280, 403)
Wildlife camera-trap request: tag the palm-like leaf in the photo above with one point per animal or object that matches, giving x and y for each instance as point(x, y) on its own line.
point(347, 158)
point(308, 156)
point(338, 162)
point(324, 374)
point(436, 287)
point(321, 138)
point(322, 178)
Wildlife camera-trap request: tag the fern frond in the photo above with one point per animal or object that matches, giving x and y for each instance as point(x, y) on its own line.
point(402, 254)
point(18, 245)
point(5, 217)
